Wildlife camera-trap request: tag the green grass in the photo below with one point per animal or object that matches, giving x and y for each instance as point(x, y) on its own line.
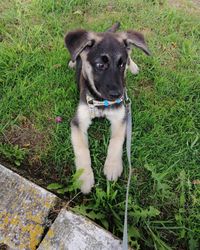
point(36, 86)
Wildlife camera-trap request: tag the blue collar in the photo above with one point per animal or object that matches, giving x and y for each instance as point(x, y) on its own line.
point(105, 103)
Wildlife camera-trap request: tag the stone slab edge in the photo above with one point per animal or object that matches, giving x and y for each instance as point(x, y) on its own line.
point(24, 209)
point(73, 232)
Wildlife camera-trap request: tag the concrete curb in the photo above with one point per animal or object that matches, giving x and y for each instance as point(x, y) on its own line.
point(24, 210)
point(71, 231)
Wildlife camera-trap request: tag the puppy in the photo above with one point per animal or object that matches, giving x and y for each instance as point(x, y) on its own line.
point(101, 61)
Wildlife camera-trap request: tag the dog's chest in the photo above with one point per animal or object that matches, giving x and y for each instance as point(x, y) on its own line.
point(96, 112)
point(109, 113)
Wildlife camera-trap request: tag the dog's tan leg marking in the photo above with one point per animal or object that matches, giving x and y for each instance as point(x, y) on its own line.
point(80, 145)
point(113, 166)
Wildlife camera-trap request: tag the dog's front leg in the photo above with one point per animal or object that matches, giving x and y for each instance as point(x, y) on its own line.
point(113, 166)
point(79, 127)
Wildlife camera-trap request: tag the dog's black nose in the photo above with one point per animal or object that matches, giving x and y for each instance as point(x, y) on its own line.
point(114, 94)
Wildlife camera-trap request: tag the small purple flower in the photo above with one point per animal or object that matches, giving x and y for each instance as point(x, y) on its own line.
point(58, 119)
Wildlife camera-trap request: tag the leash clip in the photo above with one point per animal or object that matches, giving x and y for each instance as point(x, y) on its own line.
point(127, 102)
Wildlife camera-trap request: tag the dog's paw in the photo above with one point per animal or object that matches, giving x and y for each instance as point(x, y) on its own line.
point(87, 181)
point(113, 169)
point(133, 67)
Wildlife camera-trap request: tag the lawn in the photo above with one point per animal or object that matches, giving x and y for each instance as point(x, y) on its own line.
point(36, 86)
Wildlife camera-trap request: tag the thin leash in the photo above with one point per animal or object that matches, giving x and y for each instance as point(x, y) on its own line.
point(128, 152)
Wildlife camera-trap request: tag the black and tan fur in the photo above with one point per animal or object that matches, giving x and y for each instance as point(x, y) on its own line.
point(101, 61)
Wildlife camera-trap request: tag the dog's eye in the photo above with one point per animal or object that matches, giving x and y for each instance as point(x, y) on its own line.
point(100, 66)
point(121, 64)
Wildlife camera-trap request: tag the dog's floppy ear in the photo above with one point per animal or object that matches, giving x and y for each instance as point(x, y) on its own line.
point(135, 38)
point(76, 41)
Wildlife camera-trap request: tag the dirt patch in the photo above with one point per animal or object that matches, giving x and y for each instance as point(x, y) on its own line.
point(27, 137)
point(39, 175)
point(24, 134)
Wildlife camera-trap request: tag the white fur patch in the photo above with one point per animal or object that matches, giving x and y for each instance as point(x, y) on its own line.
point(83, 114)
point(72, 64)
point(87, 180)
point(111, 114)
point(113, 168)
point(113, 165)
point(80, 144)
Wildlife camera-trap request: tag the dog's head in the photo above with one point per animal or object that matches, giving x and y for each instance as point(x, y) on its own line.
point(104, 58)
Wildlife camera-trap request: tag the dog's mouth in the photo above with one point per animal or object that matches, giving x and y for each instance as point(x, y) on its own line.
point(113, 99)
point(111, 94)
